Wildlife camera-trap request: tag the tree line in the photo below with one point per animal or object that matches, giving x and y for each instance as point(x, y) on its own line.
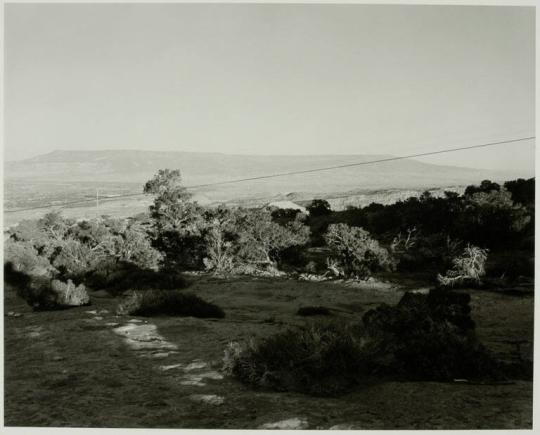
point(450, 236)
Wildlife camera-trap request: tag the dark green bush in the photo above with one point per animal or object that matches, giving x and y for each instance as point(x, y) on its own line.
point(319, 207)
point(319, 359)
point(117, 277)
point(42, 292)
point(167, 303)
point(355, 253)
point(428, 337)
point(425, 337)
point(23, 257)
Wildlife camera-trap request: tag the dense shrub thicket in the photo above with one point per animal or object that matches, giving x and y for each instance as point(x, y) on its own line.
point(424, 337)
point(98, 252)
point(42, 292)
point(445, 236)
point(427, 233)
point(56, 246)
point(221, 240)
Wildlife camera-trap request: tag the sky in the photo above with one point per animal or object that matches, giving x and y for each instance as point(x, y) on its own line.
point(271, 79)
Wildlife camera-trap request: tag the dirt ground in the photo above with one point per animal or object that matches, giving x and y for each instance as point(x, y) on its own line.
point(87, 367)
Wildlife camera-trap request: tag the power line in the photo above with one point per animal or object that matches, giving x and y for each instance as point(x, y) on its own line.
point(348, 165)
point(284, 174)
point(81, 201)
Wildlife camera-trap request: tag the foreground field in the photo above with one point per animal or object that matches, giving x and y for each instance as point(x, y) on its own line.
point(88, 367)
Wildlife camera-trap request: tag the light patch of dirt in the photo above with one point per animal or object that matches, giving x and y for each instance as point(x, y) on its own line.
point(34, 331)
point(291, 423)
point(208, 399)
point(342, 427)
point(143, 337)
point(172, 366)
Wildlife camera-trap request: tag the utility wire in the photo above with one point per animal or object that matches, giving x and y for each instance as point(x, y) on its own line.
point(284, 174)
point(348, 165)
point(81, 201)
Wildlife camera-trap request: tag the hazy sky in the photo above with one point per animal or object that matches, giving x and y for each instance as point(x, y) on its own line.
point(271, 79)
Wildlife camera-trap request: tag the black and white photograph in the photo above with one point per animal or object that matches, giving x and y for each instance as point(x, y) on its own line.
point(268, 216)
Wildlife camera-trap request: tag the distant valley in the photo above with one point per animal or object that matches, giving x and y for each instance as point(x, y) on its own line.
point(62, 177)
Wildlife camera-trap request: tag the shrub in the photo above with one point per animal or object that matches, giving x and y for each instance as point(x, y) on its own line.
point(231, 356)
point(16, 278)
point(429, 254)
point(316, 359)
point(248, 241)
point(68, 294)
point(220, 240)
point(319, 207)
point(355, 253)
point(37, 293)
point(404, 243)
point(492, 219)
point(423, 337)
point(261, 241)
point(43, 293)
point(167, 303)
point(485, 186)
point(132, 246)
point(510, 266)
point(118, 277)
point(522, 191)
point(427, 337)
point(25, 258)
point(468, 268)
point(313, 311)
point(74, 259)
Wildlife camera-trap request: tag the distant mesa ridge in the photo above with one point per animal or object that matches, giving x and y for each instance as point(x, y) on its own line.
point(137, 166)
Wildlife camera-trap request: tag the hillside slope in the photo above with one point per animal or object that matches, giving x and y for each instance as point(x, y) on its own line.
point(199, 168)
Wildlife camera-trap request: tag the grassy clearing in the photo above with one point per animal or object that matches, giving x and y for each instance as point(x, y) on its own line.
point(425, 337)
point(48, 383)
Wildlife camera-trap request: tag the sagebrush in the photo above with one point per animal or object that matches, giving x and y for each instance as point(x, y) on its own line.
point(167, 303)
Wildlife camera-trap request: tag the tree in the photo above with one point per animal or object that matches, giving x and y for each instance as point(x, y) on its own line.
point(485, 186)
point(355, 252)
point(171, 209)
point(25, 258)
point(469, 267)
point(54, 225)
point(177, 221)
point(494, 218)
point(45, 234)
point(75, 259)
point(93, 232)
point(220, 237)
point(132, 245)
point(319, 207)
point(167, 185)
point(522, 191)
point(260, 240)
